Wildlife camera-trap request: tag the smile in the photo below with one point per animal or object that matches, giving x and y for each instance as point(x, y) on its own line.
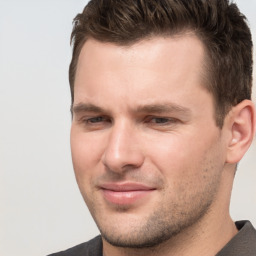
point(125, 194)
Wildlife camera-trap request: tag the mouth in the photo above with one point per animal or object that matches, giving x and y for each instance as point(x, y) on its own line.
point(125, 193)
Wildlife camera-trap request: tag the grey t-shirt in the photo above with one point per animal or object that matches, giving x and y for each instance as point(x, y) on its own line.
point(242, 244)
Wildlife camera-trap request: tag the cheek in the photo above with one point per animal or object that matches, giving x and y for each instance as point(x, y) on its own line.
point(169, 150)
point(189, 170)
point(178, 156)
point(86, 153)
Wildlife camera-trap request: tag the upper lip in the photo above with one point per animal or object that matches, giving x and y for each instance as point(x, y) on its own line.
point(124, 187)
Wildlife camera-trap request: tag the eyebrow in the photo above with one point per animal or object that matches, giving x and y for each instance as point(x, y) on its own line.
point(148, 108)
point(85, 107)
point(164, 108)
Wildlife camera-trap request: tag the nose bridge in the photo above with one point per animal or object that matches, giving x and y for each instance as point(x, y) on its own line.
point(122, 148)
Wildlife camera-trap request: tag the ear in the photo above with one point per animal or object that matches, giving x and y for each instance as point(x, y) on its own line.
point(242, 129)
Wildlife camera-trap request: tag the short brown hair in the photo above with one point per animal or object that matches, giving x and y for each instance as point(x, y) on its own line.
point(218, 23)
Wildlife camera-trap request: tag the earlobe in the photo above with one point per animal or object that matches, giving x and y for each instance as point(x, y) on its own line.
point(242, 117)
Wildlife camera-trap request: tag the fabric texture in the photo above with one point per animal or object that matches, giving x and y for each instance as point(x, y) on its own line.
point(242, 244)
point(90, 248)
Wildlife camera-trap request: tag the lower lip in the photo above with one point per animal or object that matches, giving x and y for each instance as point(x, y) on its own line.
point(125, 197)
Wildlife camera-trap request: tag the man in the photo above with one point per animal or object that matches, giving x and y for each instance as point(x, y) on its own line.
point(161, 116)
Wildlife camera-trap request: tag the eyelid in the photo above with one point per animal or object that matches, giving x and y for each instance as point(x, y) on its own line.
point(171, 119)
point(91, 118)
point(90, 123)
point(166, 123)
point(97, 119)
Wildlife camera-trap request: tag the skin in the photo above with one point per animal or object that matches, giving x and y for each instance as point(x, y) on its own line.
point(144, 122)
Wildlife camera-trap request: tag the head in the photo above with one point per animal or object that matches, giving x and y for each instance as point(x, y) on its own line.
point(161, 114)
point(217, 23)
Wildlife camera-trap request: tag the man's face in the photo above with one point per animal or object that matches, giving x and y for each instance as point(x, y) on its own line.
point(147, 153)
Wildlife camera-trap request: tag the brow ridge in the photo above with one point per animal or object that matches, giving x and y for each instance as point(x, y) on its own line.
point(147, 108)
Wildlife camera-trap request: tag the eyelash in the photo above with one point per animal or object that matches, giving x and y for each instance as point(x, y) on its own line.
point(161, 122)
point(95, 120)
point(151, 120)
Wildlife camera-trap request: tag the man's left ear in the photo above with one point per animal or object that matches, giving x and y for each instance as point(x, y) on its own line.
point(242, 123)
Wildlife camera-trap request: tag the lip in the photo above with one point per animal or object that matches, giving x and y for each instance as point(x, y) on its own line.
point(125, 193)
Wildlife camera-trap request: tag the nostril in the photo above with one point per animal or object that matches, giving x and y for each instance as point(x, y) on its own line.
point(122, 162)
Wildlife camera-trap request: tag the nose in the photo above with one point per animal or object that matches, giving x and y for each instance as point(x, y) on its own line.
point(123, 150)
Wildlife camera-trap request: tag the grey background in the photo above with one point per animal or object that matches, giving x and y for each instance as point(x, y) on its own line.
point(41, 210)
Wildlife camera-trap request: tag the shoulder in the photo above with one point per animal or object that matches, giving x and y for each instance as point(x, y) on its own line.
point(92, 247)
point(243, 243)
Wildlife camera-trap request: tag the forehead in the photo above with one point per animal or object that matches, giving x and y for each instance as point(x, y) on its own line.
point(167, 64)
point(150, 49)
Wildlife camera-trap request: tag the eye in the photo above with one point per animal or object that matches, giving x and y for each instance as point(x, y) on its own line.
point(161, 123)
point(161, 120)
point(92, 123)
point(96, 119)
